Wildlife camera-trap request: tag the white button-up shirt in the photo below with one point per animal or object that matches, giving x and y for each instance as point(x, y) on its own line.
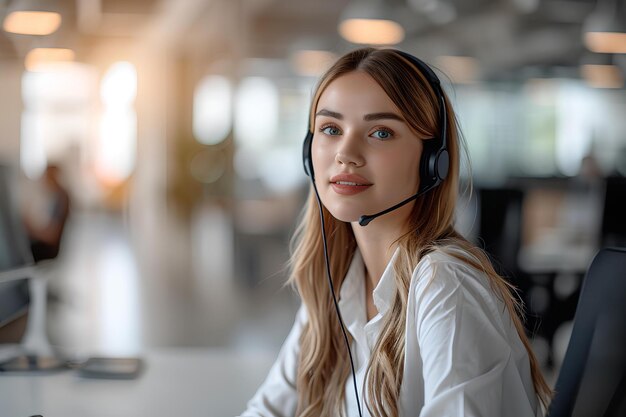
point(463, 356)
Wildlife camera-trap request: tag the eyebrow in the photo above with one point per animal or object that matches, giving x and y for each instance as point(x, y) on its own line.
point(368, 117)
point(382, 116)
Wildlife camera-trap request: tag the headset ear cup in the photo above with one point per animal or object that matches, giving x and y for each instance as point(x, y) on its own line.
point(428, 173)
point(306, 155)
point(443, 164)
point(434, 164)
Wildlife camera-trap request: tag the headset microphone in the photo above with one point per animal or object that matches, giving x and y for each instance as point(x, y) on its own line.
point(365, 219)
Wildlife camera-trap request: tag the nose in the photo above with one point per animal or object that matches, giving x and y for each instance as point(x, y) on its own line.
point(349, 152)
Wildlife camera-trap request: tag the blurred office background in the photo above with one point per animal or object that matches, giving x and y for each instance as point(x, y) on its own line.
point(177, 128)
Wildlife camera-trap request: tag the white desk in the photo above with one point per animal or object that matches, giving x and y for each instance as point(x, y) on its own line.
point(175, 382)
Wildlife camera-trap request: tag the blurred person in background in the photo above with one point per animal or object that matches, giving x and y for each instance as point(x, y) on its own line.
point(433, 329)
point(45, 220)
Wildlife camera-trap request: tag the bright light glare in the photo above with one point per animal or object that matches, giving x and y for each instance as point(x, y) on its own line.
point(116, 151)
point(371, 31)
point(56, 114)
point(32, 148)
point(256, 112)
point(212, 110)
point(32, 23)
point(119, 85)
point(71, 84)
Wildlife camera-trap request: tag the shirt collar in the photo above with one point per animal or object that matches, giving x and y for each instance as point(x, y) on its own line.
point(352, 293)
point(384, 291)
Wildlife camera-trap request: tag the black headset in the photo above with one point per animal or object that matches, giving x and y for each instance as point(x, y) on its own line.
point(435, 161)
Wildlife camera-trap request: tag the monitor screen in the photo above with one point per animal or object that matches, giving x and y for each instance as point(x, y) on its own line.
point(14, 252)
point(14, 246)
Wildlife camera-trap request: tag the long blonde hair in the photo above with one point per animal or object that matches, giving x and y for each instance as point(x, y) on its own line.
point(323, 364)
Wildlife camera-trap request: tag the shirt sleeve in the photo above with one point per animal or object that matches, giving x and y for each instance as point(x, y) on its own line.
point(277, 395)
point(464, 351)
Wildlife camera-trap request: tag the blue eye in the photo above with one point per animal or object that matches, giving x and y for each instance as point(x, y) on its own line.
point(330, 130)
point(382, 134)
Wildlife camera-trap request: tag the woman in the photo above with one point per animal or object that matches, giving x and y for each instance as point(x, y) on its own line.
point(433, 330)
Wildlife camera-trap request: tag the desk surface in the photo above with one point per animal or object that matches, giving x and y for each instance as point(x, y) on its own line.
point(175, 382)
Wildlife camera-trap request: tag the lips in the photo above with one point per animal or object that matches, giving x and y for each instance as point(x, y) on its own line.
point(349, 184)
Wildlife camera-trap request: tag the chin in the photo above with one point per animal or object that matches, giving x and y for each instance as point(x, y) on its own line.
point(345, 214)
point(347, 219)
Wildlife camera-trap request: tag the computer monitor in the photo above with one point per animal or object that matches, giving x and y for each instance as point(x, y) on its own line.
point(14, 247)
point(500, 226)
point(15, 254)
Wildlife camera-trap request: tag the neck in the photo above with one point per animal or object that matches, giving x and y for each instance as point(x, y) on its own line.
point(376, 242)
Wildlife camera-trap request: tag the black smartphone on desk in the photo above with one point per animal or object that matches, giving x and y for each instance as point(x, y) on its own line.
point(111, 368)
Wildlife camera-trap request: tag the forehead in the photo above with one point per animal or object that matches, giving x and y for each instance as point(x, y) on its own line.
point(355, 92)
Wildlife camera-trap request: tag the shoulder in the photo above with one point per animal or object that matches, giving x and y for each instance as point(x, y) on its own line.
point(445, 277)
point(448, 266)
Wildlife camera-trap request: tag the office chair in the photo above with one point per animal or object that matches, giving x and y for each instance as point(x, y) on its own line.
point(592, 379)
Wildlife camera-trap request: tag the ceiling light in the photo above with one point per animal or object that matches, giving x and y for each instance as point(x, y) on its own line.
point(605, 28)
point(606, 42)
point(39, 59)
point(32, 22)
point(602, 76)
point(371, 31)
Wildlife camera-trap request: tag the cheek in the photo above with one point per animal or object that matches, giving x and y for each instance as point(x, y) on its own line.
point(402, 170)
point(412, 164)
point(320, 154)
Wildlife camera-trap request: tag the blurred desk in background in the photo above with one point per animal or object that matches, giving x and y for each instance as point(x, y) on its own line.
point(175, 382)
point(556, 257)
